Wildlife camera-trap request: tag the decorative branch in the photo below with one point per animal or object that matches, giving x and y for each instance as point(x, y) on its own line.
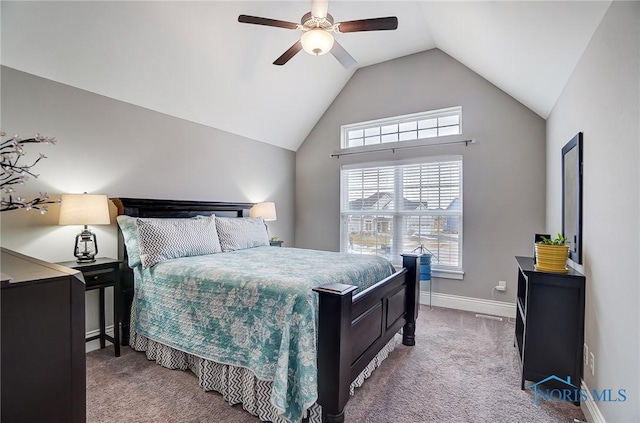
point(13, 173)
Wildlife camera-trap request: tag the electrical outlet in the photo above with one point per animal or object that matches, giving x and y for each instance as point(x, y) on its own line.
point(502, 286)
point(585, 355)
point(592, 364)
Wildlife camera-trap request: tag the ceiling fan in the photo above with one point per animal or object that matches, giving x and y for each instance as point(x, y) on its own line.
point(317, 27)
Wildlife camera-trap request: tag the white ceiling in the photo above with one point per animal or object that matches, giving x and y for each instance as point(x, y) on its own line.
point(193, 60)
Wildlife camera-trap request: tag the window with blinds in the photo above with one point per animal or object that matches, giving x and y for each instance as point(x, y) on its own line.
point(391, 208)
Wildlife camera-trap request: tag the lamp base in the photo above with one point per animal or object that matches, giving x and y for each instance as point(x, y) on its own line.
point(85, 260)
point(86, 247)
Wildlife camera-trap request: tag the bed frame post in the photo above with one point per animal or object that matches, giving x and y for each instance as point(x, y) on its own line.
point(409, 262)
point(334, 349)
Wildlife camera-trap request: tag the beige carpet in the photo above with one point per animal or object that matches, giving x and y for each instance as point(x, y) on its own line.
point(462, 369)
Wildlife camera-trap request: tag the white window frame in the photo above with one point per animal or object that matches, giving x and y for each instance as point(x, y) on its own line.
point(415, 118)
point(437, 270)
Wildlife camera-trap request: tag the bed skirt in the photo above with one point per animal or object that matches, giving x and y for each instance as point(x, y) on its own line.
point(238, 384)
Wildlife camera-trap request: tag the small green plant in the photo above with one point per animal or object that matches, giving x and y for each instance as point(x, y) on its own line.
point(559, 240)
point(274, 238)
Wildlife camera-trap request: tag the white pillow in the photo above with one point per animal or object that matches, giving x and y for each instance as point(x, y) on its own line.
point(164, 239)
point(241, 232)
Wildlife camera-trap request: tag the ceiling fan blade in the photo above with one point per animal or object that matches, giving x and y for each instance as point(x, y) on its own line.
point(343, 56)
point(287, 55)
point(374, 24)
point(319, 8)
point(266, 22)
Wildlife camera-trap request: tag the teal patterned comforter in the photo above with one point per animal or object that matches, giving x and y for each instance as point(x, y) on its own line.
point(252, 308)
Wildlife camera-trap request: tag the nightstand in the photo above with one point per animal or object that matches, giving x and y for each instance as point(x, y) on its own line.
point(103, 273)
point(276, 243)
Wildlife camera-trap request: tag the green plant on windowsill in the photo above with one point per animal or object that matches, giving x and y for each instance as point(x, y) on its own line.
point(273, 238)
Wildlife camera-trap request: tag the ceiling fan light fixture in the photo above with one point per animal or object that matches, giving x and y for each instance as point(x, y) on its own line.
point(317, 41)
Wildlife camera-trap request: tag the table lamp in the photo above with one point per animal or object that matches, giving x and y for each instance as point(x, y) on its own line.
point(84, 209)
point(266, 210)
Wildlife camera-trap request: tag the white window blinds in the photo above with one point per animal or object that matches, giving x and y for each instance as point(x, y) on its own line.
point(391, 209)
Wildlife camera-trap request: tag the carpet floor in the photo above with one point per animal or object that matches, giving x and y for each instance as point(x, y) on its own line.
point(462, 369)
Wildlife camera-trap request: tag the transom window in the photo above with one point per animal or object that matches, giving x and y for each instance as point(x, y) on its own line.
point(391, 208)
point(417, 126)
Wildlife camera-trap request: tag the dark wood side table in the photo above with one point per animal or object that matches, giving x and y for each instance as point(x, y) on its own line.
point(276, 243)
point(103, 273)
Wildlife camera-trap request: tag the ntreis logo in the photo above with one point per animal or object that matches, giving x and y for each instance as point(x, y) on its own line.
point(573, 393)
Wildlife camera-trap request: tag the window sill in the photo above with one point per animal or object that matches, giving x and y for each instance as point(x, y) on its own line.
point(441, 273)
point(448, 274)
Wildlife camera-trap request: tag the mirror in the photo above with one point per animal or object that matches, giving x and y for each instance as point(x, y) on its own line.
point(572, 196)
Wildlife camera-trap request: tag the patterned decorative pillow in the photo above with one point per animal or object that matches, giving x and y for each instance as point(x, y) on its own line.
point(164, 239)
point(129, 230)
point(238, 233)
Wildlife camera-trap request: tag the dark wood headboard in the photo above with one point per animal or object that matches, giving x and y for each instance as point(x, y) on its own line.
point(145, 207)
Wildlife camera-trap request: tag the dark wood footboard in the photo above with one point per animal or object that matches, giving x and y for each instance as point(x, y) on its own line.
point(352, 329)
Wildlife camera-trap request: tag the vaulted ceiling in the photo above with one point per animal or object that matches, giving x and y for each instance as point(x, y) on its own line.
point(193, 60)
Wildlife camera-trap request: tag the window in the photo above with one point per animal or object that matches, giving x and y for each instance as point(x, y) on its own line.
point(391, 208)
point(418, 126)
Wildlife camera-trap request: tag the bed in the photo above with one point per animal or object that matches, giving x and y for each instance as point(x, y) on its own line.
point(340, 331)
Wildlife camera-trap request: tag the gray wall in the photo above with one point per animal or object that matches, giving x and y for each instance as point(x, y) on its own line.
point(110, 147)
point(602, 99)
point(504, 173)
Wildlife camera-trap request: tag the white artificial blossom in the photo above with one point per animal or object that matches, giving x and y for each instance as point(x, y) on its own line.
point(16, 173)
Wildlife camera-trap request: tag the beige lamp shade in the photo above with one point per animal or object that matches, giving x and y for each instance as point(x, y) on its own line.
point(266, 210)
point(84, 209)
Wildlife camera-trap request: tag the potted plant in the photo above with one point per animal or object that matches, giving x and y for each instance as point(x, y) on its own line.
point(552, 254)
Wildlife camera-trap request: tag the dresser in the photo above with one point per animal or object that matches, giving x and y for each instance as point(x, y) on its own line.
point(549, 330)
point(42, 334)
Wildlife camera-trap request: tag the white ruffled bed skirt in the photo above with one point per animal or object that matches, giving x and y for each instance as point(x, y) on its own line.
point(238, 384)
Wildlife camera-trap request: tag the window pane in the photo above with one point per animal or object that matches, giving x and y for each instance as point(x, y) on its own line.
point(449, 130)
point(372, 131)
point(370, 235)
point(406, 136)
point(408, 126)
point(390, 129)
point(438, 234)
point(371, 140)
point(390, 138)
point(356, 142)
point(358, 133)
point(428, 123)
point(428, 133)
point(449, 120)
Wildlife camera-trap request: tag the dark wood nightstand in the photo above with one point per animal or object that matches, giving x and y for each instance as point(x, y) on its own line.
point(103, 273)
point(276, 243)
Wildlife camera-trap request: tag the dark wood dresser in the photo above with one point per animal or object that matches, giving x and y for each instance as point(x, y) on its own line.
point(42, 335)
point(549, 330)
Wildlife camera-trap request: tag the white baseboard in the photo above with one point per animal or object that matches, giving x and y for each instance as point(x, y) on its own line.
point(590, 408)
point(95, 344)
point(496, 308)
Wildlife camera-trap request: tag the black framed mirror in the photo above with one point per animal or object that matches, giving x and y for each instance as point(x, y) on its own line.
point(572, 196)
